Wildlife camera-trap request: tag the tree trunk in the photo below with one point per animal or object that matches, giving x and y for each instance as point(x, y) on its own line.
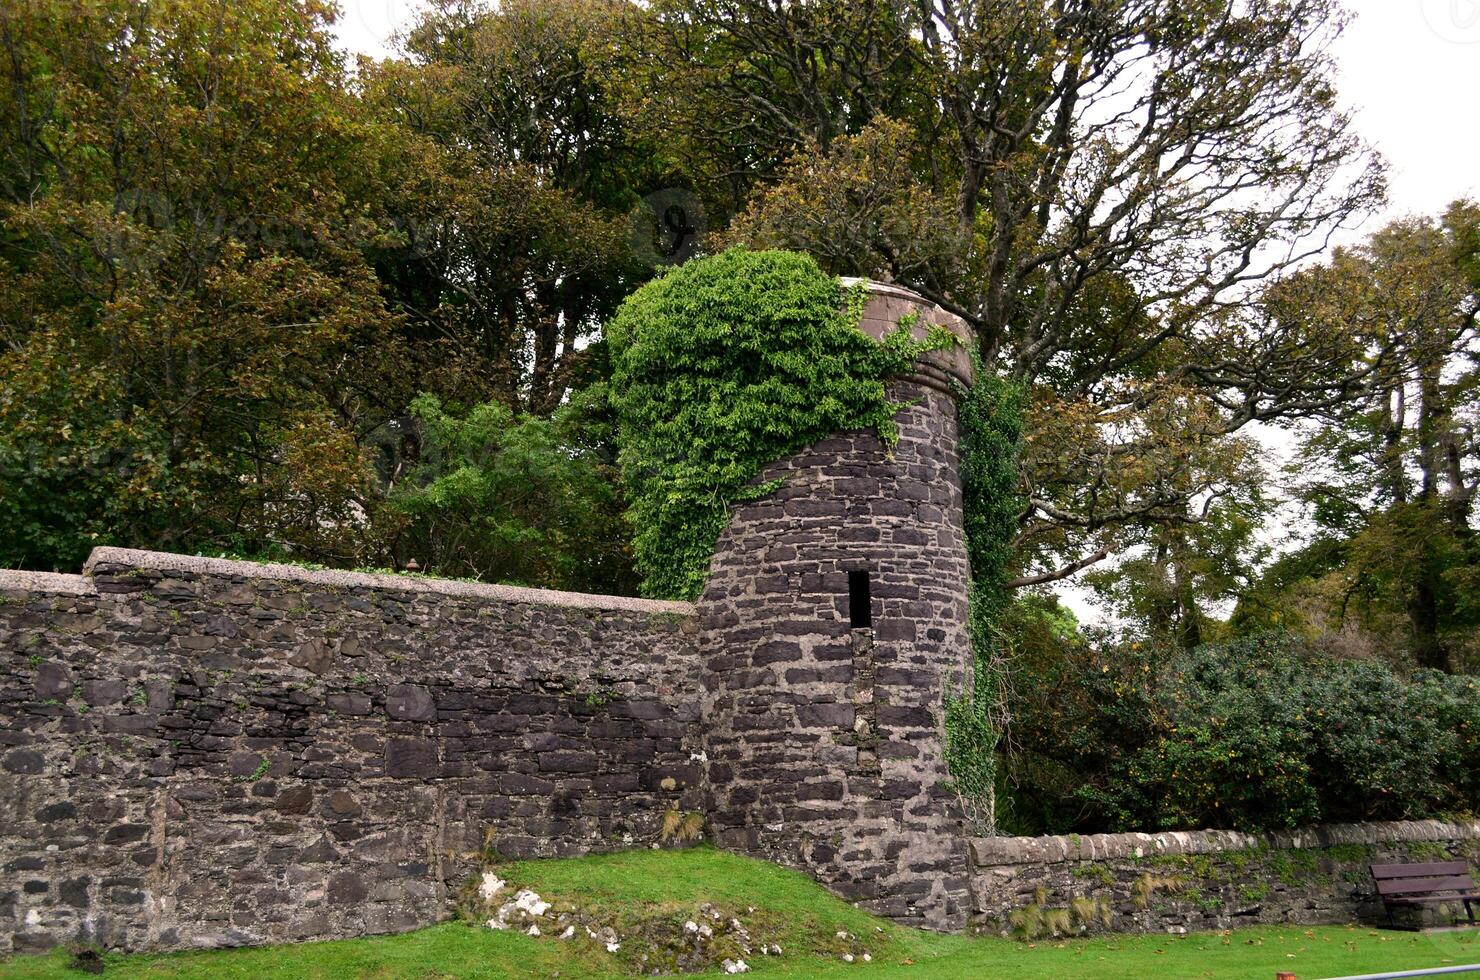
point(1423, 612)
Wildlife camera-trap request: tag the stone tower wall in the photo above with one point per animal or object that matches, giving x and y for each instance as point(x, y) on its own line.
point(825, 741)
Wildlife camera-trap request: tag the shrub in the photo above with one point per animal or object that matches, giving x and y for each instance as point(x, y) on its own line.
point(515, 499)
point(1079, 704)
point(1254, 734)
point(1232, 750)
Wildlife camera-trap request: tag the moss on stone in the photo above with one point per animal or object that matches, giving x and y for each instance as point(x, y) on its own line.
point(1095, 872)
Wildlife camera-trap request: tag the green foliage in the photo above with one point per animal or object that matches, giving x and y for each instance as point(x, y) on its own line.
point(724, 365)
point(509, 179)
point(1255, 892)
point(972, 735)
point(990, 423)
point(523, 500)
point(182, 301)
point(1098, 874)
point(226, 268)
point(1259, 734)
point(1388, 481)
point(1132, 399)
point(259, 772)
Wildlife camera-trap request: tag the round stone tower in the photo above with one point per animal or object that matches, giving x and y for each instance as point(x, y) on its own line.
point(834, 621)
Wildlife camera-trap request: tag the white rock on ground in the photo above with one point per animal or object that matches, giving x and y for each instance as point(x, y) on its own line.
point(735, 966)
point(527, 900)
point(491, 885)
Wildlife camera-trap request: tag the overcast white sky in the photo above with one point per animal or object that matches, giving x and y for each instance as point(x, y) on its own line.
point(1409, 68)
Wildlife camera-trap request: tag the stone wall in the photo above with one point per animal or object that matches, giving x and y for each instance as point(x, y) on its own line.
point(1182, 882)
point(200, 752)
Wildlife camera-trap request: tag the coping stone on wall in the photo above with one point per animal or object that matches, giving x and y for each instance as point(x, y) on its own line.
point(55, 583)
point(942, 369)
point(990, 851)
point(229, 568)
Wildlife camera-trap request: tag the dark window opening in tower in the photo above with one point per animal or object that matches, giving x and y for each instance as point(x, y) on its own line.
point(860, 607)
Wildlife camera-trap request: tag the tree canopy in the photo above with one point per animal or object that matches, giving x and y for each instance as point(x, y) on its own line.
point(260, 299)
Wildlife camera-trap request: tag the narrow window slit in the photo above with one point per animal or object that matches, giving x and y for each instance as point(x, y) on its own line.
point(860, 607)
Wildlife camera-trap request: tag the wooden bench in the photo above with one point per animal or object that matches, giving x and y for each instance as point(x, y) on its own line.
point(1417, 885)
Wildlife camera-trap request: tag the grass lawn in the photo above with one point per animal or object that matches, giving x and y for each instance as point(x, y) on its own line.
point(631, 889)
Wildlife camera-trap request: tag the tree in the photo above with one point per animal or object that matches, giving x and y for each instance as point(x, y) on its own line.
point(520, 500)
point(190, 340)
point(1390, 478)
point(510, 179)
point(736, 87)
point(1169, 585)
point(1094, 187)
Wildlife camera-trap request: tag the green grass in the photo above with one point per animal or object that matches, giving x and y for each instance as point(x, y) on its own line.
point(648, 886)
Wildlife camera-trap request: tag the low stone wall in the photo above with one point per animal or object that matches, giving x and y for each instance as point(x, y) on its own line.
point(1182, 882)
point(199, 752)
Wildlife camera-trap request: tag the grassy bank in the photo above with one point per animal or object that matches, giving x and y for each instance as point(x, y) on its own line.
point(642, 893)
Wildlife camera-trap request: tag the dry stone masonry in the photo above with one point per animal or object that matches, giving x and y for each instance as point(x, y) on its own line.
point(199, 752)
point(1183, 882)
point(825, 748)
point(833, 621)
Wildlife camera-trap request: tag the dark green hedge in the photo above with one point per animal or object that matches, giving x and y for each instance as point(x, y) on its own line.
point(1254, 734)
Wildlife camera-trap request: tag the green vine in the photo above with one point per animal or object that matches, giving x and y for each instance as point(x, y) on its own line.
point(990, 418)
point(722, 366)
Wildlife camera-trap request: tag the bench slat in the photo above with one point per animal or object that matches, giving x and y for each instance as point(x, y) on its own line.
point(1430, 899)
point(1433, 869)
point(1407, 886)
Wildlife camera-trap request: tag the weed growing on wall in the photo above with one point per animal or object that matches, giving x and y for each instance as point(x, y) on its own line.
point(721, 366)
point(990, 422)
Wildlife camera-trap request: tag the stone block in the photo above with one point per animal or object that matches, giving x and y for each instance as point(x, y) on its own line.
point(414, 758)
point(294, 801)
point(349, 704)
point(825, 715)
point(104, 691)
point(408, 702)
point(27, 762)
point(53, 682)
